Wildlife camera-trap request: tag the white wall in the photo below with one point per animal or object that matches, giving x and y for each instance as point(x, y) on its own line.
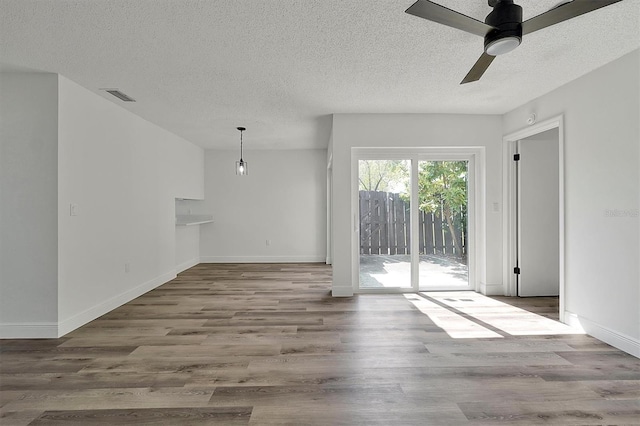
point(283, 199)
point(413, 130)
point(64, 145)
point(602, 189)
point(28, 203)
point(188, 237)
point(187, 247)
point(123, 173)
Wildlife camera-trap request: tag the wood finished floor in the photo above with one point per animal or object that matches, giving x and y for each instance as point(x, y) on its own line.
point(268, 345)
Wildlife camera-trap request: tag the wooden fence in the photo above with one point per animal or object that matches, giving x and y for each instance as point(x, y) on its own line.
point(385, 227)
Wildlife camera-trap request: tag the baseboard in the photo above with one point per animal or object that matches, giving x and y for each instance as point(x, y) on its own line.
point(621, 341)
point(186, 265)
point(262, 259)
point(46, 330)
point(492, 289)
point(341, 291)
point(78, 320)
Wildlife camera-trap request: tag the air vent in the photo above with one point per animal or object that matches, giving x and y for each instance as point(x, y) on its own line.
point(118, 94)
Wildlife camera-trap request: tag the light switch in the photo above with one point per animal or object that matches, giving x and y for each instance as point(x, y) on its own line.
point(73, 209)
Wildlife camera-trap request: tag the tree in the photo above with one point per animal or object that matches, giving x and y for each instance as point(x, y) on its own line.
point(382, 175)
point(443, 189)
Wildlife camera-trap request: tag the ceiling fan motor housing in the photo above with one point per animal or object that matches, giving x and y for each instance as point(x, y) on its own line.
point(506, 18)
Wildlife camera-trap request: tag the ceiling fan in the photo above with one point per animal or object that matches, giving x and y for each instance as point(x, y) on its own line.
point(503, 28)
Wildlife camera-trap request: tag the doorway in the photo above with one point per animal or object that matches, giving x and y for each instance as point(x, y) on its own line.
point(537, 231)
point(533, 214)
point(414, 214)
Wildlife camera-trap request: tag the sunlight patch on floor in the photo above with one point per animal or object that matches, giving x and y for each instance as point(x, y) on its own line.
point(456, 326)
point(484, 316)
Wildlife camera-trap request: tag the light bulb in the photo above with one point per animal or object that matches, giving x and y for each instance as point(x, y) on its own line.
point(502, 46)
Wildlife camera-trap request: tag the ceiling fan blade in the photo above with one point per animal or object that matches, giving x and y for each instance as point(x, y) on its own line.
point(563, 13)
point(442, 15)
point(478, 68)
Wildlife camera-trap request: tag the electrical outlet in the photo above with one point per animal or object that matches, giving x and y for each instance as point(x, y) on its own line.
point(268, 242)
point(127, 267)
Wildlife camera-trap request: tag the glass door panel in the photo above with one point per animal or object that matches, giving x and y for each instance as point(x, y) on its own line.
point(442, 225)
point(385, 223)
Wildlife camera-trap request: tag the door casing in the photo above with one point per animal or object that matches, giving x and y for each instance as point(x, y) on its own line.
point(509, 204)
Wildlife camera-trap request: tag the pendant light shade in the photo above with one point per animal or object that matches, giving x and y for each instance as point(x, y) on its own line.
point(242, 167)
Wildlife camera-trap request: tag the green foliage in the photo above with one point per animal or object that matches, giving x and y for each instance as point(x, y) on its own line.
point(443, 186)
point(382, 175)
point(442, 189)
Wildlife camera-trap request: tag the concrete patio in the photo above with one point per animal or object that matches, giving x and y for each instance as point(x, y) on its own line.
point(393, 271)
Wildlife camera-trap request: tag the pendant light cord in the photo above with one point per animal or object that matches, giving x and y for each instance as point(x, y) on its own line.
point(241, 145)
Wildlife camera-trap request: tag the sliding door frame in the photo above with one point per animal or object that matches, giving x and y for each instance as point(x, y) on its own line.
point(476, 205)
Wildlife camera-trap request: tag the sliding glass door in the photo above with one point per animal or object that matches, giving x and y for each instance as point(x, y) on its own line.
point(412, 217)
point(442, 225)
point(384, 205)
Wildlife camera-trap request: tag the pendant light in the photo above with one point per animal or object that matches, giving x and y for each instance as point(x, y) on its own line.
point(241, 166)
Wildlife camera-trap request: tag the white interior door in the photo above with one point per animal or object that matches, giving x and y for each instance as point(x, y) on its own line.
point(538, 215)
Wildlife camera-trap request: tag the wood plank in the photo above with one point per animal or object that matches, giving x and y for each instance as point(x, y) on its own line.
point(429, 233)
point(384, 223)
point(407, 221)
point(110, 398)
point(462, 240)
point(365, 222)
point(438, 242)
point(393, 237)
point(19, 418)
point(583, 412)
point(370, 413)
point(182, 416)
point(375, 222)
point(421, 231)
point(401, 228)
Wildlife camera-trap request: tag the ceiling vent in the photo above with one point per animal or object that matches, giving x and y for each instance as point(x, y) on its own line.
point(118, 94)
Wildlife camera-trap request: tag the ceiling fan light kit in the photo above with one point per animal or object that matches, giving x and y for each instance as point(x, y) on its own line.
point(503, 28)
point(506, 35)
point(502, 45)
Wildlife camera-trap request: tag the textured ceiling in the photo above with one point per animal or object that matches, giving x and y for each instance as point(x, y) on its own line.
point(279, 68)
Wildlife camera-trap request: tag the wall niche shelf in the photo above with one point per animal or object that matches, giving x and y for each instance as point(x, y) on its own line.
point(189, 212)
point(193, 219)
